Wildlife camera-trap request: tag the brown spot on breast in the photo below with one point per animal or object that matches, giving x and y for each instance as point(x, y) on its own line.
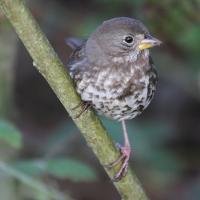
point(127, 92)
point(140, 108)
point(137, 74)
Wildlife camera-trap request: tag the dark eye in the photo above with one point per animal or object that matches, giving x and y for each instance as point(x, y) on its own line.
point(128, 39)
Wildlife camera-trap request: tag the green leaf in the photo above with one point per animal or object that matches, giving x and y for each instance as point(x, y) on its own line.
point(10, 135)
point(31, 167)
point(72, 169)
point(60, 168)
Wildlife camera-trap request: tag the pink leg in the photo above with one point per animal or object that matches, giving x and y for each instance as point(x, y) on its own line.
point(124, 158)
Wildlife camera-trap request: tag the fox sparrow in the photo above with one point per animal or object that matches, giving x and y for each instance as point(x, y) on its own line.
point(114, 73)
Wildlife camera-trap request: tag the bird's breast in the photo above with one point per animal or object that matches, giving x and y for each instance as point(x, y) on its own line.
point(117, 93)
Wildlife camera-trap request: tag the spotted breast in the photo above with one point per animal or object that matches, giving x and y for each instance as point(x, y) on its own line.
point(122, 90)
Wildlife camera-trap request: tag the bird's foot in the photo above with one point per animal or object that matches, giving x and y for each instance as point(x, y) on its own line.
point(124, 158)
point(84, 107)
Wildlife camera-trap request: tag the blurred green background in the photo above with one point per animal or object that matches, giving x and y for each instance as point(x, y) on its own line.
point(42, 154)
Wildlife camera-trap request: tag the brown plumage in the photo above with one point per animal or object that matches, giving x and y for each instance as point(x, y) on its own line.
point(114, 73)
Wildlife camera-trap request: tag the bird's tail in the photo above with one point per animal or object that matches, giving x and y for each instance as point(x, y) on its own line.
point(74, 43)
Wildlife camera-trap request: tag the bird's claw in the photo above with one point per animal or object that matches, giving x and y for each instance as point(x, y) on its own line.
point(124, 158)
point(84, 107)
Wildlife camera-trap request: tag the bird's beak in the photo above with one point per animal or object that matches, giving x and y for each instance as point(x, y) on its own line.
point(148, 42)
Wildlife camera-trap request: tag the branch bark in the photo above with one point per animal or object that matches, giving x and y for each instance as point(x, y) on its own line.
point(49, 65)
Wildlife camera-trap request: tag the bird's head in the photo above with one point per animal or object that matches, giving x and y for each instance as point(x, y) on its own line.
point(120, 37)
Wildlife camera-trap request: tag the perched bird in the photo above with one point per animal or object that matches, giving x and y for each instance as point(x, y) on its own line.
point(114, 74)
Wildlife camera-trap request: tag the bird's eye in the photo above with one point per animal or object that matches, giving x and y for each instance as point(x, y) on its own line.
point(128, 39)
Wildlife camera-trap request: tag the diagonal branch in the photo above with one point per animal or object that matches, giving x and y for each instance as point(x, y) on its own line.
point(49, 65)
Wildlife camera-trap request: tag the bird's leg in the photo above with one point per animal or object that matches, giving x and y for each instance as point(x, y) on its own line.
point(84, 107)
point(125, 152)
point(125, 155)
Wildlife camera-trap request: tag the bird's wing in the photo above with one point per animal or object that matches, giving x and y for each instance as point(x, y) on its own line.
point(77, 62)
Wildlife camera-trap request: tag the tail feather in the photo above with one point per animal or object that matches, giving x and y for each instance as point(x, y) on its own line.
point(74, 43)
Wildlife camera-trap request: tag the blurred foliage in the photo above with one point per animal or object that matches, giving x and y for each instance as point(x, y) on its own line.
point(59, 167)
point(42, 191)
point(10, 135)
point(25, 170)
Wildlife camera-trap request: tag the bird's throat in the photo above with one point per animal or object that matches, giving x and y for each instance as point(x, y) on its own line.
point(132, 57)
